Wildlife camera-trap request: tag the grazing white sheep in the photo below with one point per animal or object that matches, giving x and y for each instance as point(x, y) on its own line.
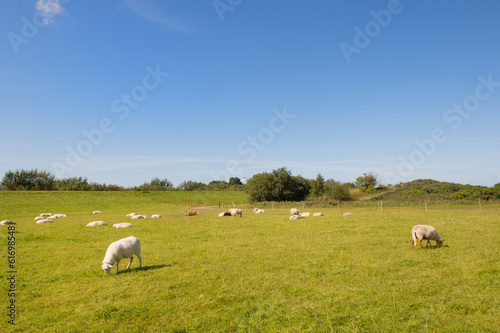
point(96, 223)
point(135, 217)
point(258, 211)
point(224, 214)
point(346, 214)
point(236, 212)
point(294, 217)
point(305, 214)
point(155, 216)
point(122, 225)
point(294, 211)
point(44, 221)
point(318, 214)
point(422, 232)
point(123, 248)
point(96, 212)
point(39, 218)
point(6, 222)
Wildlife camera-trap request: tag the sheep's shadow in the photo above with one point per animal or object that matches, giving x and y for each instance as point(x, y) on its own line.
point(434, 247)
point(143, 268)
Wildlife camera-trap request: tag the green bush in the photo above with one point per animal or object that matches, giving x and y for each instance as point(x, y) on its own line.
point(279, 185)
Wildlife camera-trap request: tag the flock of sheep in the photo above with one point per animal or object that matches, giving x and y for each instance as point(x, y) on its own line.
point(130, 246)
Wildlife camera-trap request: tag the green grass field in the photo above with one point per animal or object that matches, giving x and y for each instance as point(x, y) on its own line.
point(258, 273)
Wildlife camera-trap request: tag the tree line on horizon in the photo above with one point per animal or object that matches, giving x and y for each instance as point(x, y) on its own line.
point(277, 185)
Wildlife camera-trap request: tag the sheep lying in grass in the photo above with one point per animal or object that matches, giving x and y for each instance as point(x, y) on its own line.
point(236, 212)
point(44, 221)
point(96, 212)
point(346, 214)
point(224, 214)
point(422, 232)
point(96, 223)
point(294, 217)
point(294, 211)
point(155, 216)
point(137, 216)
point(6, 222)
point(131, 214)
point(305, 214)
point(258, 211)
point(56, 216)
point(123, 248)
point(318, 214)
point(122, 225)
point(191, 213)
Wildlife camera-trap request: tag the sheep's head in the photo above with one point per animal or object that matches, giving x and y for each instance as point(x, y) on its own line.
point(439, 242)
point(106, 268)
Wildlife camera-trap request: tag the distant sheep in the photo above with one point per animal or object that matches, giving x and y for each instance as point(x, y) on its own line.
point(305, 214)
point(236, 212)
point(131, 214)
point(318, 214)
point(346, 214)
point(294, 217)
point(122, 225)
point(224, 214)
point(44, 221)
point(427, 232)
point(59, 215)
point(6, 222)
point(96, 212)
point(39, 218)
point(123, 248)
point(294, 211)
point(192, 213)
point(258, 211)
point(136, 217)
point(155, 216)
point(96, 223)
point(46, 214)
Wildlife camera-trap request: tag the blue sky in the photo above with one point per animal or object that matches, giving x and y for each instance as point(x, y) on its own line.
point(122, 91)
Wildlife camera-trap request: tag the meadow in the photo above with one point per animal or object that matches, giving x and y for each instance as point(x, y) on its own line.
point(257, 273)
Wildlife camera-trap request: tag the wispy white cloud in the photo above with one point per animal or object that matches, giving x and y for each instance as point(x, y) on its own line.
point(110, 163)
point(151, 12)
point(49, 10)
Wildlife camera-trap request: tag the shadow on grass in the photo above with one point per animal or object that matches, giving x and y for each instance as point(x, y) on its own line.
point(144, 268)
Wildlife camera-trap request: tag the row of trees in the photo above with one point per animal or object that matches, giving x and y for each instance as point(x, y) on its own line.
point(281, 185)
point(35, 180)
point(157, 184)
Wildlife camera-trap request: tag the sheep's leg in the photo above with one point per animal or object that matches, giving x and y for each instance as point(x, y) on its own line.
point(421, 243)
point(140, 261)
point(428, 243)
point(117, 267)
point(130, 263)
